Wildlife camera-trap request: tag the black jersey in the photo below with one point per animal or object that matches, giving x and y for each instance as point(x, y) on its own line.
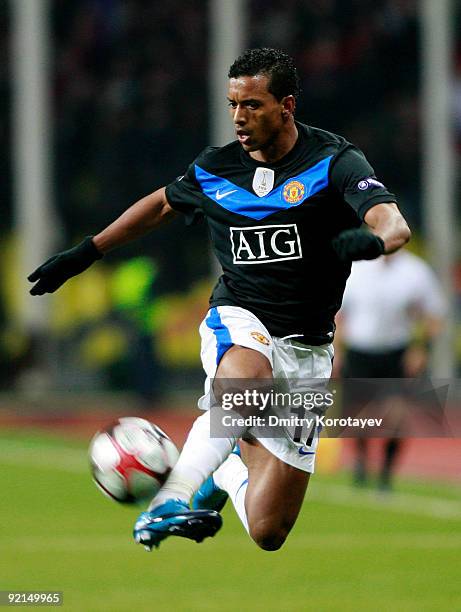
point(271, 226)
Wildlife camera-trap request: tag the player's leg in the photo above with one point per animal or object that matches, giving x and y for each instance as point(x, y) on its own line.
point(274, 495)
point(260, 486)
point(201, 455)
point(266, 493)
point(169, 512)
point(226, 354)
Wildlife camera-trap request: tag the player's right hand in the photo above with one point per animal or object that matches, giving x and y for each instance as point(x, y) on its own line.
point(62, 266)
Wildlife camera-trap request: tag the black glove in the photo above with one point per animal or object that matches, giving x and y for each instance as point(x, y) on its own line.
point(355, 244)
point(56, 270)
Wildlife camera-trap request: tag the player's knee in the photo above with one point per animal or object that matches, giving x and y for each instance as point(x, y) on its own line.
point(267, 536)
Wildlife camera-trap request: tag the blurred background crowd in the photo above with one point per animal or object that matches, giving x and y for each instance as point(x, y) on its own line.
point(130, 99)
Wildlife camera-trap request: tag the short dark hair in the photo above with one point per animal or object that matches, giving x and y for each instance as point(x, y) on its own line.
point(276, 64)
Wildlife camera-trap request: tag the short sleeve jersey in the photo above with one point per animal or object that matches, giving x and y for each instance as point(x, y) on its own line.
point(271, 226)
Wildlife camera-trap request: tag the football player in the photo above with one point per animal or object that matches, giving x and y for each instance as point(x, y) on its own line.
point(284, 203)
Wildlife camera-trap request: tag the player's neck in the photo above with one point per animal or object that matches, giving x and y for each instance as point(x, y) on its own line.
point(285, 141)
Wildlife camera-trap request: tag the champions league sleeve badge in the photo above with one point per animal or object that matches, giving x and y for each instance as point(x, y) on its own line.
point(263, 181)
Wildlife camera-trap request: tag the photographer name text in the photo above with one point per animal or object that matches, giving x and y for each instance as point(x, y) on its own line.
point(273, 420)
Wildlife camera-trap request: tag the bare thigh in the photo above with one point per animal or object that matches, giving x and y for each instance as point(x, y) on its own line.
point(241, 362)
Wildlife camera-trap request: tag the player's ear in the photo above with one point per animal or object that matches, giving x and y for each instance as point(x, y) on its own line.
point(288, 106)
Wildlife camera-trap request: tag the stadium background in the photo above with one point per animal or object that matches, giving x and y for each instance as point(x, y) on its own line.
point(130, 102)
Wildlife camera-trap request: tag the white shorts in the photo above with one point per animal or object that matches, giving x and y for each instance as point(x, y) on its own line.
point(225, 326)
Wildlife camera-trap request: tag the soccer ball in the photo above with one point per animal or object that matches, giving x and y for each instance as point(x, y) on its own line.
point(131, 459)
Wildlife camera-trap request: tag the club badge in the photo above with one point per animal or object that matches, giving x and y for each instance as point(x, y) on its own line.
point(293, 192)
point(260, 337)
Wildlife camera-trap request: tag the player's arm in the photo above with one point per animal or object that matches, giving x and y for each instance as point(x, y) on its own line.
point(387, 231)
point(138, 220)
point(387, 222)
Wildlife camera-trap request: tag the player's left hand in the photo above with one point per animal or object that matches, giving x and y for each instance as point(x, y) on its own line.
point(55, 271)
point(355, 244)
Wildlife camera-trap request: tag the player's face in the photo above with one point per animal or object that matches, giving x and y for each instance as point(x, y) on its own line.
point(259, 118)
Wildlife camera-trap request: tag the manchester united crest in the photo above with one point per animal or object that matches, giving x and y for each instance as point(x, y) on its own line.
point(260, 337)
point(293, 192)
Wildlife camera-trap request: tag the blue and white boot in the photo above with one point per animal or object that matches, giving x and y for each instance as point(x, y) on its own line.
point(174, 518)
point(210, 496)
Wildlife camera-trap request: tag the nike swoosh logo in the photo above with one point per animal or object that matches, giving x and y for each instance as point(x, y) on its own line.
point(220, 196)
point(303, 452)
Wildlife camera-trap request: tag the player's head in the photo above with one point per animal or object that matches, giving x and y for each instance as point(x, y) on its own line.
point(279, 67)
point(263, 86)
